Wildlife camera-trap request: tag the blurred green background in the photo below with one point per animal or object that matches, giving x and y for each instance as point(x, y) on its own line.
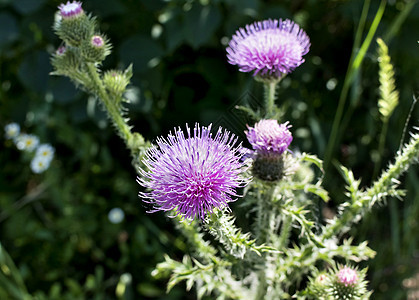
point(55, 225)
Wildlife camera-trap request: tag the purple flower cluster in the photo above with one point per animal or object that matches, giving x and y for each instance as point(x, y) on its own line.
point(347, 276)
point(70, 9)
point(269, 138)
point(192, 175)
point(270, 47)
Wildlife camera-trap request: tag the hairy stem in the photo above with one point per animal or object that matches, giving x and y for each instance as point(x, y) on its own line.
point(383, 187)
point(266, 219)
point(270, 90)
point(285, 232)
point(124, 131)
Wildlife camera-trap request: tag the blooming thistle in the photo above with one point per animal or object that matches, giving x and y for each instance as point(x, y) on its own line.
point(12, 130)
point(347, 276)
point(70, 9)
point(269, 138)
point(269, 141)
point(339, 283)
point(73, 26)
point(347, 282)
point(193, 175)
point(270, 48)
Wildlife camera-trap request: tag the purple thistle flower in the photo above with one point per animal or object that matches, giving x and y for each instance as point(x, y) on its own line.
point(70, 9)
point(193, 175)
point(347, 276)
point(61, 50)
point(97, 41)
point(269, 138)
point(270, 47)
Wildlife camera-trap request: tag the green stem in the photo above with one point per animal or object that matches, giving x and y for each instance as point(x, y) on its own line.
point(381, 144)
point(265, 230)
point(270, 89)
point(261, 289)
point(379, 190)
point(265, 215)
point(285, 232)
point(113, 110)
point(354, 65)
point(399, 20)
point(346, 84)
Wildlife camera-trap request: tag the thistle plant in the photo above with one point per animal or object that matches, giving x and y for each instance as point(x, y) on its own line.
point(284, 250)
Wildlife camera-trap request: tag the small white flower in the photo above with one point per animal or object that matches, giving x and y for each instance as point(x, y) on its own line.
point(39, 164)
point(116, 215)
point(126, 278)
point(12, 130)
point(46, 151)
point(27, 142)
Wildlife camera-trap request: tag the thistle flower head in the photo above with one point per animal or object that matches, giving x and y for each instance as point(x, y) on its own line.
point(60, 51)
point(95, 49)
point(12, 130)
point(269, 138)
point(116, 81)
point(70, 9)
point(97, 41)
point(347, 276)
point(270, 48)
point(193, 174)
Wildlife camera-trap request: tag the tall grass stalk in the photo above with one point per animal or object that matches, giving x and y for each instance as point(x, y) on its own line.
point(354, 65)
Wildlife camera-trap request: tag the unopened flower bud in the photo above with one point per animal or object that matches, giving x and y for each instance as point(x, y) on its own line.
point(74, 26)
point(94, 49)
point(66, 60)
point(318, 284)
point(117, 81)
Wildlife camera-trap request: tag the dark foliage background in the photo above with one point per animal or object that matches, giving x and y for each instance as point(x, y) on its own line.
point(55, 225)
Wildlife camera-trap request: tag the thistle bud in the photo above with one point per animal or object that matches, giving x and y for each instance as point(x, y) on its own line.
point(339, 283)
point(65, 61)
point(95, 49)
point(73, 25)
point(268, 168)
point(117, 81)
point(269, 141)
point(318, 284)
point(348, 283)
